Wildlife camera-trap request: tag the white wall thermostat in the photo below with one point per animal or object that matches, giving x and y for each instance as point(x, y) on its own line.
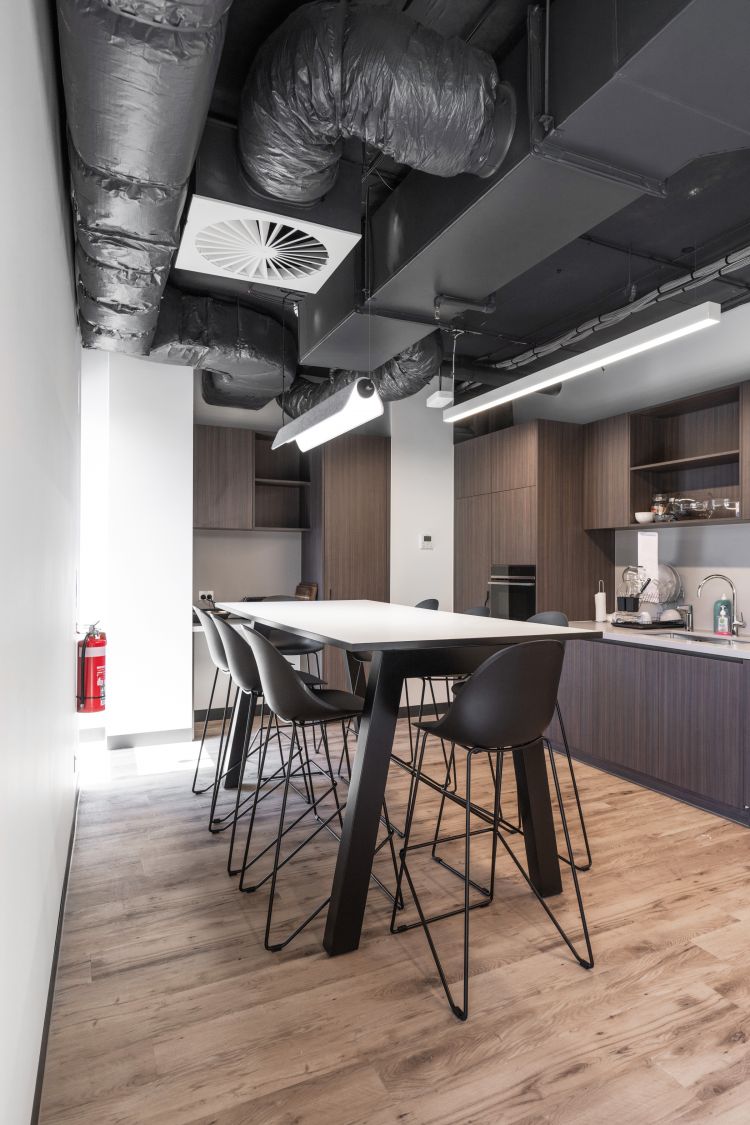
point(425, 542)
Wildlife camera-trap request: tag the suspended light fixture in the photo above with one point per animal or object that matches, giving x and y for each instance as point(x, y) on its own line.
point(352, 406)
point(642, 340)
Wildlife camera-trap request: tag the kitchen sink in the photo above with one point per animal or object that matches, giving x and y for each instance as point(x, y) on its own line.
point(701, 639)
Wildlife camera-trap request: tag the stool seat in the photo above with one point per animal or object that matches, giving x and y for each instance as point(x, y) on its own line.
point(289, 644)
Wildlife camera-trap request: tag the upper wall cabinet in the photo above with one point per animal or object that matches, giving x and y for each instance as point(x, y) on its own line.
point(241, 484)
point(223, 477)
point(697, 447)
point(606, 473)
point(497, 462)
point(514, 457)
point(473, 467)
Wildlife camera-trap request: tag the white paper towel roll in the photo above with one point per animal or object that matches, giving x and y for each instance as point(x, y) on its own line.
point(600, 606)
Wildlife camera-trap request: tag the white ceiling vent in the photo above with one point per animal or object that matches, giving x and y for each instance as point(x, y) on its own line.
point(260, 247)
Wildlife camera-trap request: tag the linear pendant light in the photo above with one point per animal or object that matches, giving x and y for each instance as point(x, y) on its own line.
point(355, 404)
point(642, 340)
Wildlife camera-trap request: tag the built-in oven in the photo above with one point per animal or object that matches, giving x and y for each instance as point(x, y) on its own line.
point(512, 591)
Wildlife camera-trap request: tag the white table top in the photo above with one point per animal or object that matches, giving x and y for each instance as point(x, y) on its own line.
point(363, 625)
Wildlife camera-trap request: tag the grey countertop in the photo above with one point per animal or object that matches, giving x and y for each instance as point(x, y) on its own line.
point(735, 649)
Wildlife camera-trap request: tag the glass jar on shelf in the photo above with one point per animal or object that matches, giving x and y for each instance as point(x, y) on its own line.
point(660, 507)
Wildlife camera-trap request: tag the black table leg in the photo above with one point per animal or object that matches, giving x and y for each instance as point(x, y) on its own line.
point(536, 817)
point(351, 879)
point(236, 738)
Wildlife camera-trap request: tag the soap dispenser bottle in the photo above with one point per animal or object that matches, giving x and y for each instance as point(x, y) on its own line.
point(723, 617)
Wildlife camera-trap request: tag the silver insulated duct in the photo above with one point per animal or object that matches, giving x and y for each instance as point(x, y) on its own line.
point(245, 355)
point(337, 70)
point(399, 378)
point(138, 77)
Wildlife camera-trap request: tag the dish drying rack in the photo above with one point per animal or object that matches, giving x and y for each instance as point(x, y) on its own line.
point(655, 595)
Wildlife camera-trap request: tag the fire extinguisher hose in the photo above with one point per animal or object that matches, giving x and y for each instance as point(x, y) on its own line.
point(82, 675)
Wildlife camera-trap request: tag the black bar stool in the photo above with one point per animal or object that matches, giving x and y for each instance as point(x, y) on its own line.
point(219, 660)
point(556, 617)
point(244, 672)
point(506, 705)
point(290, 644)
point(292, 701)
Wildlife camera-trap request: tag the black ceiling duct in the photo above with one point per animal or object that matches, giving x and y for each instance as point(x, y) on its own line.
point(242, 351)
point(399, 378)
point(138, 76)
point(338, 70)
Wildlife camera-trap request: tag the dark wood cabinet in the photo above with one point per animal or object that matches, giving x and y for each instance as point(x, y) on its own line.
point(473, 558)
point(598, 692)
point(240, 483)
point(223, 477)
point(514, 457)
point(606, 473)
point(347, 549)
point(675, 722)
point(535, 494)
point(701, 730)
point(514, 526)
point(473, 467)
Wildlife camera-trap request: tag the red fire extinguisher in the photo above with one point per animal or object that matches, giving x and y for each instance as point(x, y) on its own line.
point(92, 656)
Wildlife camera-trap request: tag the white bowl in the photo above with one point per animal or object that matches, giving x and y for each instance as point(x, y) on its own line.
point(644, 517)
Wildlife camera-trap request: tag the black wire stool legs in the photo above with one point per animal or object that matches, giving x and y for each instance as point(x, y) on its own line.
point(498, 828)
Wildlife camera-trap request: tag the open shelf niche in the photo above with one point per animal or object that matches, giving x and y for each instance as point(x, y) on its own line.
point(689, 448)
point(281, 484)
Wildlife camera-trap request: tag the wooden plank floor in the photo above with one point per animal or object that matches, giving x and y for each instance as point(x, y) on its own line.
point(169, 1012)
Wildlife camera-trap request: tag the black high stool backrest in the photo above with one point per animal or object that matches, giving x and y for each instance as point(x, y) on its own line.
point(283, 690)
point(549, 617)
point(509, 700)
point(428, 603)
point(213, 639)
point(242, 666)
point(477, 611)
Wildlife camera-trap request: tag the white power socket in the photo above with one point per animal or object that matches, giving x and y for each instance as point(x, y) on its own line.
point(205, 595)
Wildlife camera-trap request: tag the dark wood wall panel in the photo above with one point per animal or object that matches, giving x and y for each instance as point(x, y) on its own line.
point(473, 556)
point(347, 549)
point(223, 477)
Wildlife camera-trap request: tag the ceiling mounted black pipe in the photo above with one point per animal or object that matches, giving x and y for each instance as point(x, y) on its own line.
point(337, 70)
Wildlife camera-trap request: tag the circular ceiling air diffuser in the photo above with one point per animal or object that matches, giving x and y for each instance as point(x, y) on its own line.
point(261, 249)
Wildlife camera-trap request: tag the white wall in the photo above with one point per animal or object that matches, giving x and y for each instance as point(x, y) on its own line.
point(93, 579)
point(39, 502)
point(238, 564)
point(696, 552)
point(148, 625)
point(421, 502)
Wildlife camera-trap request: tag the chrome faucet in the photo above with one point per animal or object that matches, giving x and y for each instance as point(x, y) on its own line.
point(738, 621)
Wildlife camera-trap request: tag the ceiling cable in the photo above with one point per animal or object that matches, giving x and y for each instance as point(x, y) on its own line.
point(714, 271)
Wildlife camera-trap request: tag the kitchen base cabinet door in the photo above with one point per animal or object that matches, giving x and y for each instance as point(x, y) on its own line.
point(607, 703)
point(473, 551)
point(701, 726)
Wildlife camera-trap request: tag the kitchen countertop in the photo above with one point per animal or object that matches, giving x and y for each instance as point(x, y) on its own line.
point(651, 639)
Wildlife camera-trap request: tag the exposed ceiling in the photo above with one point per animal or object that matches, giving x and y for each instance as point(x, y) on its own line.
point(585, 244)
